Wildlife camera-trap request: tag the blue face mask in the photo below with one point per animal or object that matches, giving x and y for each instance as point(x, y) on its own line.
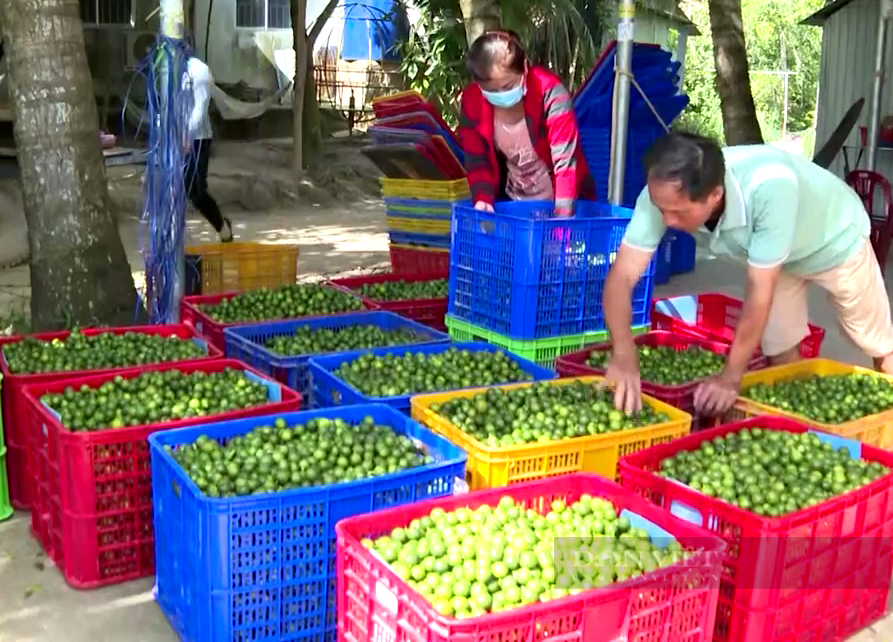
point(504, 99)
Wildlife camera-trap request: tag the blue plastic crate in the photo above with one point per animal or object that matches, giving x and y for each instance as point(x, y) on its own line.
point(262, 568)
point(596, 143)
point(329, 390)
point(441, 241)
point(682, 254)
point(662, 259)
point(528, 277)
point(246, 343)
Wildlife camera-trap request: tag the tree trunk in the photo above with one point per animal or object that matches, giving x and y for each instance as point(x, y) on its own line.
point(480, 16)
point(739, 114)
point(79, 271)
point(312, 128)
point(298, 26)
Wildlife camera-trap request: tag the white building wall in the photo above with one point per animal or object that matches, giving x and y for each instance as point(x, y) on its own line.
point(849, 42)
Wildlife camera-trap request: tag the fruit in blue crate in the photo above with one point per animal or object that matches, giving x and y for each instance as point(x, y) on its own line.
point(832, 400)
point(771, 472)
point(100, 351)
point(541, 413)
point(406, 290)
point(307, 340)
point(279, 456)
point(666, 366)
point(284, 302)
point(473, 561)
point(416, 372)
point(155, 397)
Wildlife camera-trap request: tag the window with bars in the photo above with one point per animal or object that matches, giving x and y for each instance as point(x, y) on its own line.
point(107, 12)
point(263, 14)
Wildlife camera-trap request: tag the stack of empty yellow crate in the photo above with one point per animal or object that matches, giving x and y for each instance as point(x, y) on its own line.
point(214, 268)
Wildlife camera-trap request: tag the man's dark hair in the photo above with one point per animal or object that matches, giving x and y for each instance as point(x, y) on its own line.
point(695, 162)
point(499, 47)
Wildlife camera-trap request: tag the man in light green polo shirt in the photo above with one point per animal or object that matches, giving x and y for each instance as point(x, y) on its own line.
point(787, 220)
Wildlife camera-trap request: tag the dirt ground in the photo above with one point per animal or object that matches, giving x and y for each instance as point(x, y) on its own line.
point(337, 234)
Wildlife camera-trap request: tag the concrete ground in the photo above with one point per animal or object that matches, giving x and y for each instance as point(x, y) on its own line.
point(35, 603)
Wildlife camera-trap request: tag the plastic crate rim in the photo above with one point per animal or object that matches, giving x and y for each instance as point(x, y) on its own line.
point(159, 449)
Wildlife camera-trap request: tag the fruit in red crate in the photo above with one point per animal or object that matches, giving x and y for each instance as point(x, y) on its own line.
point(99, 351)
point(769, 472)
point(154, 397)
point(541, 413)
point(416, 372)
point(406, 290)
point(667, 366)
point(470, 562)
point(832, 400)
point(307, 340)
point(284, 302)
point(279, 456)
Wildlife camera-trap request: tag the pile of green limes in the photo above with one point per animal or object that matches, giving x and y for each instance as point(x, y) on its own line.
point(541, 412)
point(771, 472)
point(832, 400)
point(308, 340)
point(470, 562)
point(666, 366)
point(406, 290)
point(416, 372)
point(97, 352)
point(284, 302)
point(153, 397)
point(280, 457)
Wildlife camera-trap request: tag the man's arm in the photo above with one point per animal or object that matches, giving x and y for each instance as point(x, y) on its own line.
point(628, 268)
point(774, 208)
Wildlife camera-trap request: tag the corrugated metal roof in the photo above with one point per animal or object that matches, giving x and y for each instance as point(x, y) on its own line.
point(819, 17)
point(675, 14)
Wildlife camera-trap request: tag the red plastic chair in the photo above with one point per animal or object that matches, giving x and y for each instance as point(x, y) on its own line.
point(865, 183)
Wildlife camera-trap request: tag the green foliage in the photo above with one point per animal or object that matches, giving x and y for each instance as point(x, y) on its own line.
point(767, 23)
point(433, 56)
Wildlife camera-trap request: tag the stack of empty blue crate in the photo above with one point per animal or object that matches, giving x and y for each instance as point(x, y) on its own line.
point(658, 76)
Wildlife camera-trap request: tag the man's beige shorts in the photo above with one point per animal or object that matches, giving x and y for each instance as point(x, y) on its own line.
point(856, 290)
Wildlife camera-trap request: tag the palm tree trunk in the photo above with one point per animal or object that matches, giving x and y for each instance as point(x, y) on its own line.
point(739, 114)
point(480, 16)
point(79, 270)
point(299, 35)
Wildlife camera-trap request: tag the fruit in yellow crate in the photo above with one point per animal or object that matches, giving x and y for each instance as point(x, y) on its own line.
point(833, 399)
point(541, 413)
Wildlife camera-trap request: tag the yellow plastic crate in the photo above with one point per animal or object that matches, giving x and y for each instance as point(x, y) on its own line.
point(456, 190)
point(245, 265)
point(418, 225)
point(490, 467)
point(874, 430)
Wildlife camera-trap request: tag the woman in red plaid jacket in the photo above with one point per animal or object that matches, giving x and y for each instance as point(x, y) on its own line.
point(518, 130)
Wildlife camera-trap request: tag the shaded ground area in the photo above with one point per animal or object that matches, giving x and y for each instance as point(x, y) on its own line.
point(35, 603)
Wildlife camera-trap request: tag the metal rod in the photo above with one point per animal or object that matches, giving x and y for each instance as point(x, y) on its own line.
point(681, 48)
point(173, 21)
point(874, 119)
point(620, 122)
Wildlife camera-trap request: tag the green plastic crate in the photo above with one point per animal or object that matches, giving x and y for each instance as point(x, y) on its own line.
point(5, 506)
point(543, 352)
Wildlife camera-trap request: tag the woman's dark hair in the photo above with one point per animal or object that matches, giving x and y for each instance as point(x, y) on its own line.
point(502, 47)
point(695, 162)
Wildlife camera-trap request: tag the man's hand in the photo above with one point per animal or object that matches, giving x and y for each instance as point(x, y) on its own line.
point(485, 207)
point(622, 375)
point(716, 395)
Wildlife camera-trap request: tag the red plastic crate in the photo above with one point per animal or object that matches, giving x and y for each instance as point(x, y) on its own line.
point(821, 573)
point(208, 327)
point(411, 260)
point(674, 604)
point(717, 318)
point(14, 406)
point(92, 509)
point(682, 396)
point(430, 312)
